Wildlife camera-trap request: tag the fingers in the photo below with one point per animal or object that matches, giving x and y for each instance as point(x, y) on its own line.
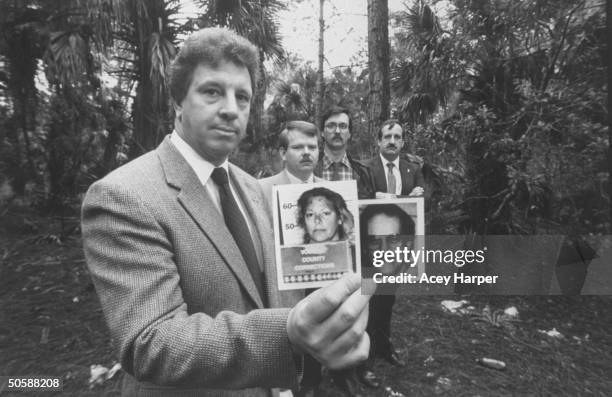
point(347, 315)
point(417, 191)
point(354, 356)
point(350, 337)
point(323, 303)
point(330, 324)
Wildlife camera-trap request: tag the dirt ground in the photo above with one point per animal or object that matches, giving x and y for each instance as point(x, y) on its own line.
point(51, 324)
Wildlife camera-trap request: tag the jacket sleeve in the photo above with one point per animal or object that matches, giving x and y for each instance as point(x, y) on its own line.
point(365, 180)
point(132, 263)
point(419, 180)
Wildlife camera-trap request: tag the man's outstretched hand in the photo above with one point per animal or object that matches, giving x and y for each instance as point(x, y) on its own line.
point(330, 324)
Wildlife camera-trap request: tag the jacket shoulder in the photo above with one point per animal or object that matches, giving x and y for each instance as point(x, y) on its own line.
point(143, 169)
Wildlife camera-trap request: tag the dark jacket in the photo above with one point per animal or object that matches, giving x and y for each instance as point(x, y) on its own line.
point(360, 174)
point(410, 171)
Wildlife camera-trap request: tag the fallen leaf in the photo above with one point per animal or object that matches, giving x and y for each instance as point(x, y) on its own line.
point(453, 306)
point(442, 385)
point(44, 336)
point(553, 333)
point(492, 363)
point(116, 368)
point(511, 311)
point(97, 375)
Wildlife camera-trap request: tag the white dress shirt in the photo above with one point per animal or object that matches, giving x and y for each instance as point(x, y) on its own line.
point(203, 170)
point(295, 179)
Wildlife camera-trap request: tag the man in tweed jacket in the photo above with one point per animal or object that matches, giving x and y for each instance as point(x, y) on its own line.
point(185, 314)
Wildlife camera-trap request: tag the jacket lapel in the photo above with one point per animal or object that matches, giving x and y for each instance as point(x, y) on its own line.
point(195, 200)
point(379, 176)
point(250, 193)
point(406, 177)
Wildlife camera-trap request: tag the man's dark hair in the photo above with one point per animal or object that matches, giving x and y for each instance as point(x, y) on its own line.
point(296, 125)
point(332, 111)
point(407, 226)
point(390, 123)
point(211, 46)
point(337, 201)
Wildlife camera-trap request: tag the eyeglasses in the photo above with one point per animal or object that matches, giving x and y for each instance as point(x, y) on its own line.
point(333, 126)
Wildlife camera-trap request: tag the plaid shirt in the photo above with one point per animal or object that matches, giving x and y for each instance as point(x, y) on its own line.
point(344, 171)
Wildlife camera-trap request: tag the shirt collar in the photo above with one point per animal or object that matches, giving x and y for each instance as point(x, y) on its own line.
point(203, 168)
point(295, 179)
point(385, 161)
point(327, 161)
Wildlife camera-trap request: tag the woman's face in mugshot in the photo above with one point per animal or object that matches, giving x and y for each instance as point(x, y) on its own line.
point(321, 220)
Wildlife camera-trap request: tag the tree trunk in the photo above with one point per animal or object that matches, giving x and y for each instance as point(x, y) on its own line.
point(609, 24)
point(320, 80)
point(378, 64)
point(256, 128)
point(151, 109)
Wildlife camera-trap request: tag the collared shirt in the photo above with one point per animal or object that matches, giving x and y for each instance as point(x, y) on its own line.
point(396, 173)
point(295, 179)
point(345, 172)
point(203, 170)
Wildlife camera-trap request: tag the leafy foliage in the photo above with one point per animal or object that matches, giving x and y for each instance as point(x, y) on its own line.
point(528, 130)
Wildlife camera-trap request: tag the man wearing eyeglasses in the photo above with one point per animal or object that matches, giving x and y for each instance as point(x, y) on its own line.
point(384, 227)
point(334, 163)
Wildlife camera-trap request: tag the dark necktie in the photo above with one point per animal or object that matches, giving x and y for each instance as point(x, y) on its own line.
point(335, 168)
point(390, 179)
point(238, 227)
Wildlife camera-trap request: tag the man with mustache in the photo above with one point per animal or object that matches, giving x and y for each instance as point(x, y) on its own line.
point(390, 176)
point(299, 149)
point(178, 246)
point(334, 163)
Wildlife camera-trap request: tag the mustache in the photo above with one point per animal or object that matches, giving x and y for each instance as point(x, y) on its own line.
point(306, 159)
point(391, 146)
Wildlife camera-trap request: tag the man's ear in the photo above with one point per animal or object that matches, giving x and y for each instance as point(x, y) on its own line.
point(282, 151)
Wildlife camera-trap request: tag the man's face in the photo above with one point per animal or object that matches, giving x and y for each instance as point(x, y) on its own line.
point(384, 235)
point(336, 131)
point(213, 116)
point(302, 153)
point(391, 141)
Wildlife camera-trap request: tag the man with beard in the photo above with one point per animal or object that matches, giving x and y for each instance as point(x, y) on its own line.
point(299, 150)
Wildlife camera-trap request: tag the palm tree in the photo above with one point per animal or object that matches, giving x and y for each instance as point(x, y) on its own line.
point(20, 49)
point(149, 34)
point(422, 68)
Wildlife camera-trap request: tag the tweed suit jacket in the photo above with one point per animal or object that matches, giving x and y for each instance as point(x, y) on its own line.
point(279, 179)
point(411, 174)
point(184, 313)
